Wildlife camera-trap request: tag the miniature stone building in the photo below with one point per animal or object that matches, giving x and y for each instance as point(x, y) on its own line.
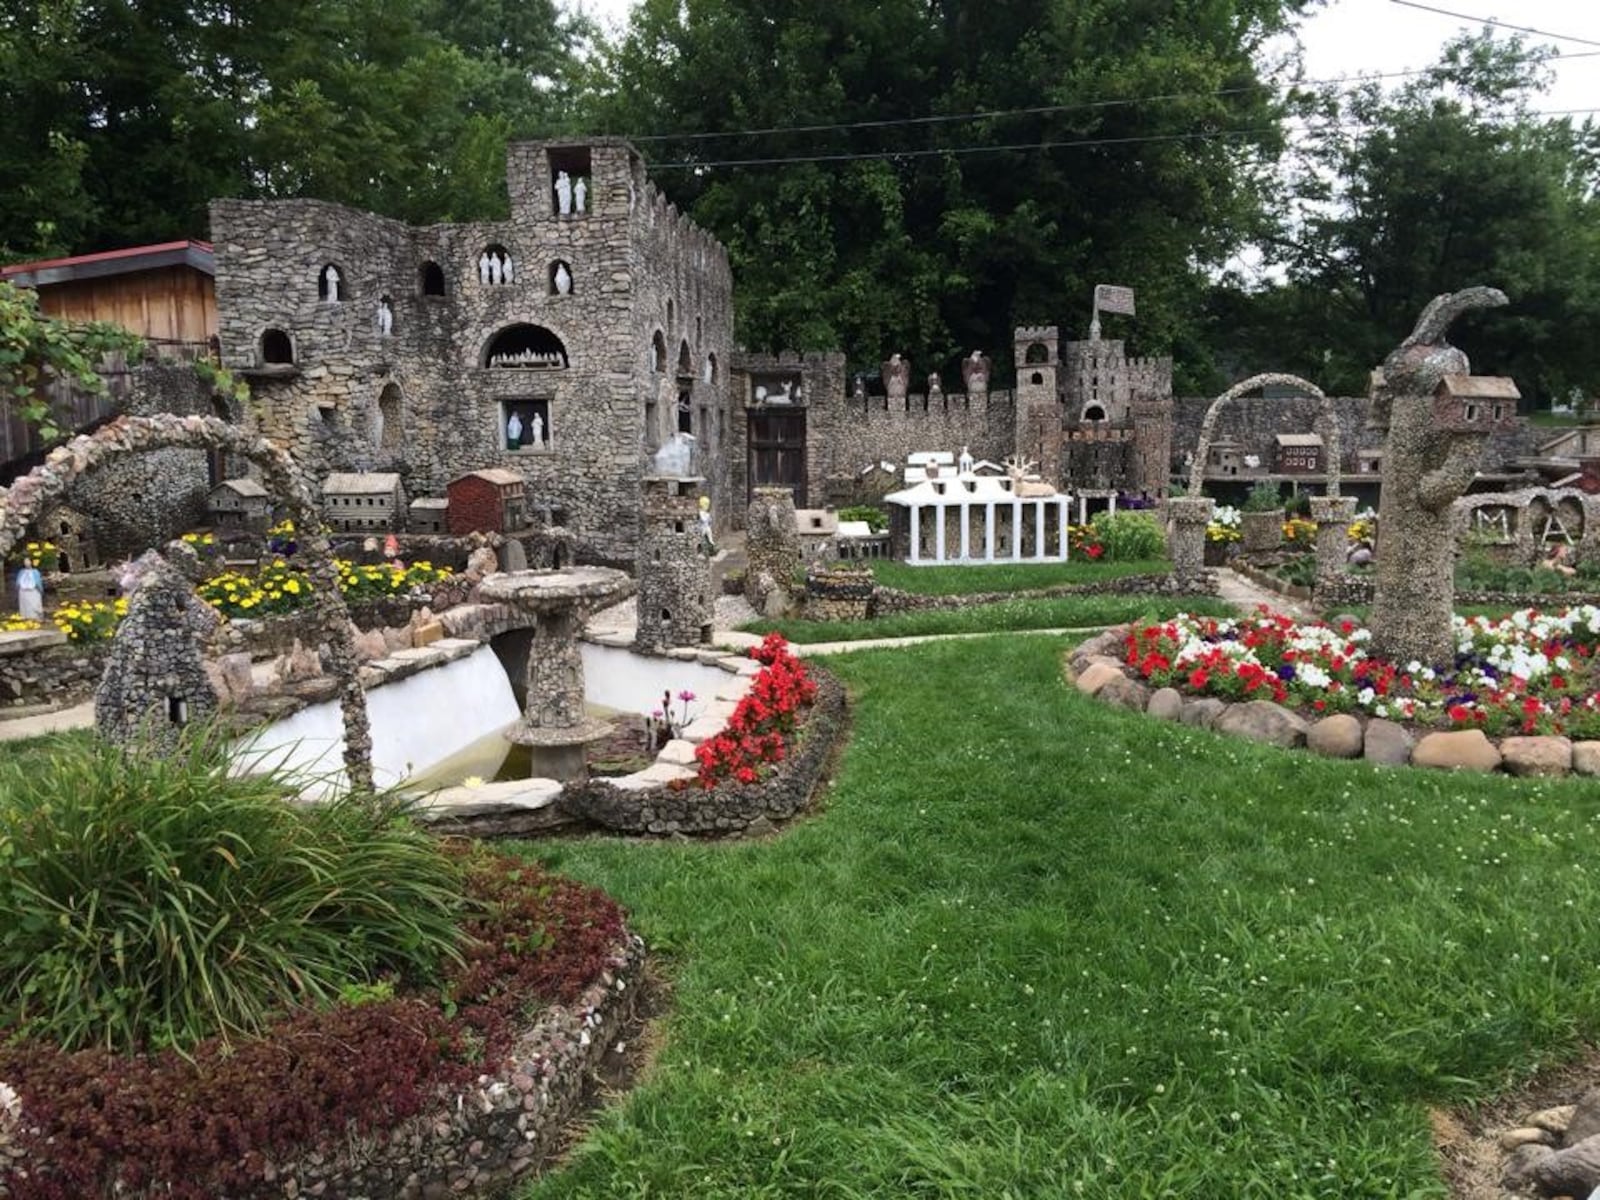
point(492, 500)
point(74, 536)
point(1298, 454)
point(429, 514)
point(361, 502)
point(155, 682)
point(239, 504)
point(1226, 458)
point(675, 601)
point(528, 344)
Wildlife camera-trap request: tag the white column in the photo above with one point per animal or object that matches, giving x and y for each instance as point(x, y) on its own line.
point(1083, 510)
point(1016, 529)
point(1038, 529)
point(966, 528)
point(1113, 502)
point(988, 532)
point(1061, 524)
point(916, 533)
point(938, 532)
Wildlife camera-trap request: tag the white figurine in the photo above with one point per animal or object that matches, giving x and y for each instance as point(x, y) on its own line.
point(563, 280)
point(330, 283)
point(536, 428)
point(385, 318)
point(30, 593)
point(580, 190)
point(505, 269)
point(494, 268)
point(514, 432)
point(563, 193)
point(483, 267)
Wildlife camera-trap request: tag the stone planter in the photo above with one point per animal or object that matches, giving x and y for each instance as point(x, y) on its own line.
point(1261, 532)
point(1216, 553)
point(1187, 543)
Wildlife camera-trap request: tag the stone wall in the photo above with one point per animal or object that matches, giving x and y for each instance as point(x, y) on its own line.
point(46, 670)
point(886, 601)
point(422, 399)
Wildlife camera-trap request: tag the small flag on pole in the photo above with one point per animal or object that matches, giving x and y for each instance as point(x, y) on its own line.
point(1112, 299)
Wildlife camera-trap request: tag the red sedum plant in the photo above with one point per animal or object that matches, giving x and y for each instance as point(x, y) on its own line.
point(757, 734)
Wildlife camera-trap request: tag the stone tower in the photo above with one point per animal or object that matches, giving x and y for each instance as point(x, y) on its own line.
point(1038, 403)
point(1152, 443)
point(674, 574)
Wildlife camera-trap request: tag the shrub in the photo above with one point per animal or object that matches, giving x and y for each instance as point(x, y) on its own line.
point(150, 900)
point(1263, 497)
point(877, 520)
point(1129, 536)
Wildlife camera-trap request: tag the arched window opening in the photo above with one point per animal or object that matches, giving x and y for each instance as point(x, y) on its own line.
point(658, 353)
point(527, 347)
point(276, 347)
point(685, 360)
point(711, 368)
point(1037, 353)
point(685, 413)
point(432, 279)
point(388, 421)
point(1094, 413)
point(1037, 377)
point(495, 266)
point(560, 278)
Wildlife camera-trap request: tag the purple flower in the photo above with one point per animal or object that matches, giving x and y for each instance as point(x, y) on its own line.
point(686, 696)
point(1286, 672)
point(658, 714)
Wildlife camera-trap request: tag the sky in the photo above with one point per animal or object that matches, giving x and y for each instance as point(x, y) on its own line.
point(1352, 37)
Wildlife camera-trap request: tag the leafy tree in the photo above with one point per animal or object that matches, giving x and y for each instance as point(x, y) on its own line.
point(1451, 180)
point(929, 248)
point(35, 349)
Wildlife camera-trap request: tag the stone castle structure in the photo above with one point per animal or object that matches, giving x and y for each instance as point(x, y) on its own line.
point(675, 597)
point(564, 343)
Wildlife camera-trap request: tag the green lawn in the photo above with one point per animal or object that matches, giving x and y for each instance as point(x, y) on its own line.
point(1007, 577)
point(1036, 947)
point(1062, 612)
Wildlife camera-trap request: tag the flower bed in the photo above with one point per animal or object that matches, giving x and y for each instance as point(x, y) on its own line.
point(1529, 673)
point(380, 1095)
point(757, 734)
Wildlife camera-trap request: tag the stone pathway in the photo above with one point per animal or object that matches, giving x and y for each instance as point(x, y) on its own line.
point(80, 716)
point(1244, 595)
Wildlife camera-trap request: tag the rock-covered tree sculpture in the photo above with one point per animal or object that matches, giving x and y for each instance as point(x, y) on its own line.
point(1434, 444)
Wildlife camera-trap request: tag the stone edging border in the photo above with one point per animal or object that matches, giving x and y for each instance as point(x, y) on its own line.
point(1096, 669)
point(497, 1130)
point(887, 600)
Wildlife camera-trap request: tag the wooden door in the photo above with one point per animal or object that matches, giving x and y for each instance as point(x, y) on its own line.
point(778, 450)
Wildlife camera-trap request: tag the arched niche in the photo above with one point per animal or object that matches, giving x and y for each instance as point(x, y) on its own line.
point(277, 347)
point(1036, 378)
point(1255, 383)
point(430, 279)
point(658, 353)
point(524, 346)
point(333, 284)
point(1094, 412)
point(560, 275)
point(685, 360)
point(711, 367)
point(388, 418)
point(1037, 352)
point(495, 267)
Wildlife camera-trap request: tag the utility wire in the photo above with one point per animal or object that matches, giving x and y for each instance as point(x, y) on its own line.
point(1445, 12)
point(1075, 143)
point(1086, 105)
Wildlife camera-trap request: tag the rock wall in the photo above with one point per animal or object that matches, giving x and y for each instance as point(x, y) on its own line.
point(58, 673)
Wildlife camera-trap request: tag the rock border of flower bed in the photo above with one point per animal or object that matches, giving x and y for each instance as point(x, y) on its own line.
point(1096, 669)
point(484, 1137)
point(886, 601)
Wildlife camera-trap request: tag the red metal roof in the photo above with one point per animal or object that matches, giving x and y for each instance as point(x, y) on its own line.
point(112, 262)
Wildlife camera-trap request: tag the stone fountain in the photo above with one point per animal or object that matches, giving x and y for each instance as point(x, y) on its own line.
point(554, 724)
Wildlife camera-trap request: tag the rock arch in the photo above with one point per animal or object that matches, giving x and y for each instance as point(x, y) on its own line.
point(46, 485)
point(1255, 383)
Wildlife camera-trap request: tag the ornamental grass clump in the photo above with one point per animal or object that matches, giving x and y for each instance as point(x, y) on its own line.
point(150, 901)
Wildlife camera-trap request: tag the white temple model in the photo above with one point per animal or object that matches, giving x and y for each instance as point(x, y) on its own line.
point(959, 516)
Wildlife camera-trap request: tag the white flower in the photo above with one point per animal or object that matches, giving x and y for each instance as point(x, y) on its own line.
point(10, 1106)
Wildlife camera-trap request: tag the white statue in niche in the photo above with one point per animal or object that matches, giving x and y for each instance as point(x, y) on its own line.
point(580, 192)
point(385, 317)
point(494, 268)
point(483, 267)
point(330, 283)
point(514, 432)
point(563, 193)
point(536, 430)
point(563, 280)
point(505, 268)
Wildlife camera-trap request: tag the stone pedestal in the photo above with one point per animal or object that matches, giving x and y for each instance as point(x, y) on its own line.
point(1333, 515)
point(772, 546)
point(554, 723)
point(1190, 515)
point(1260, 532)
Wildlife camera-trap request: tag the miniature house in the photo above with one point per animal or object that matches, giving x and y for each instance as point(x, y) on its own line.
point(1474, 403)
point(430, 514)
point(1298, 454)
point(1227, 457)
point(240, 504)
point(361, 502)
point(492, 500)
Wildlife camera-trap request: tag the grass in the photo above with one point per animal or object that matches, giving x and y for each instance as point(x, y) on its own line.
point(1034, 946)
point(1007, 577)
point(1062, 612)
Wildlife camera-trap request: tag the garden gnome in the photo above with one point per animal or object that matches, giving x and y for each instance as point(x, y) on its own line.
point(30, 593)
point(391, 548)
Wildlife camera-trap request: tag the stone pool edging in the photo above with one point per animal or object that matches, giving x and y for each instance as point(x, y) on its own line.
point(1096, 669)
point(497, 1130)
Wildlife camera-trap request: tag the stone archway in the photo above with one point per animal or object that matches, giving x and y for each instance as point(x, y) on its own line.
point(1197, 472)
point(47, 484)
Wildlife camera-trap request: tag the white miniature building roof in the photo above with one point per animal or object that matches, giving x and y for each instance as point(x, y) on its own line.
point(496, 475)
point(923, 458)
point(247, 487)
point(970, 489)
point(360, 483)
point(816, 521)
point(854, 529)
point(431, 502)
point(1300, 439)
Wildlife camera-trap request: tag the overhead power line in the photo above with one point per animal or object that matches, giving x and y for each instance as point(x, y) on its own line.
point(1039, 110)
point(1015, 147)
point(1445, 12)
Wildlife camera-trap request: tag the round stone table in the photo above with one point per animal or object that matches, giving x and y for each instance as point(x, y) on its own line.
point(554, 724)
